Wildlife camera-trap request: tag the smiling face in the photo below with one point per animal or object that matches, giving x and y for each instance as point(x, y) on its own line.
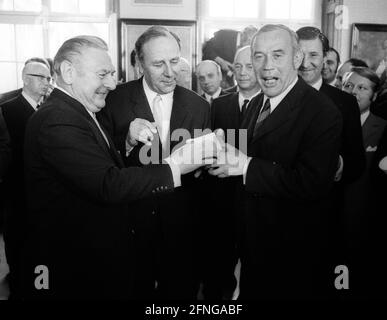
point(275, 62)
point(330, 66)
point(160, 63)
point(312, 64)
point(93, 78)
point(362, 88)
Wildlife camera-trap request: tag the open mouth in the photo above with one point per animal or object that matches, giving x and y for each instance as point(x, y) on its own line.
point(269, 81)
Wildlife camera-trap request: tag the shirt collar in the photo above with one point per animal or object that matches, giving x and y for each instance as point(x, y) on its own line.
point(364, 116)
point(92, 114)
point(241, 97)
point(151, 95)
point(318, 84)
point(215, 95)
point(31, 101)
point(275, 101)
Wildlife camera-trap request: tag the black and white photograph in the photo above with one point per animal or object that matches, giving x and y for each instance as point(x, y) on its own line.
point(193, 157)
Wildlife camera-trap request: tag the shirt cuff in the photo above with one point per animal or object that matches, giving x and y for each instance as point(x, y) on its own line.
point(245, 167)
point(176, 175)
point(128, 148)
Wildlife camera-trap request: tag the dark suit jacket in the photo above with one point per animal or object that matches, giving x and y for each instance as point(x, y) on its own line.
point(287, 182)
point(352, 150)
point(359, 193)
point(5, 149)
point(78, 193)
point(166, 224)
point(379, 106)
point(222, 44)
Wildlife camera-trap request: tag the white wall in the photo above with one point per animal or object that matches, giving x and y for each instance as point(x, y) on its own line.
point(184, 11)
point(361, 11)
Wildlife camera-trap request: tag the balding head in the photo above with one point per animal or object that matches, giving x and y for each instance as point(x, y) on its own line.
point(36, 78)
point(209, 75)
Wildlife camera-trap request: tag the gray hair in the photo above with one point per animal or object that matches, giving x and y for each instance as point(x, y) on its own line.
point(71, 49)
point(152, 33)
point(275, 27)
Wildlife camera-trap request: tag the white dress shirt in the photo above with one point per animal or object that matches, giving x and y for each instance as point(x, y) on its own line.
point(214, 96)
point(31, 101)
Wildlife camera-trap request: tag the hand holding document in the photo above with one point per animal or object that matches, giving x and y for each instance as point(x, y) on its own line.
point(196, 152)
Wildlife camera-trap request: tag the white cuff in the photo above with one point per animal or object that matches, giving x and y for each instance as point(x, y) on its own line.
point(245, 167)
point(176, 175)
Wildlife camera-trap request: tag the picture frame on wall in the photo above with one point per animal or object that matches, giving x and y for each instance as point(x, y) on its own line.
point(131, 29)
point(369, 43)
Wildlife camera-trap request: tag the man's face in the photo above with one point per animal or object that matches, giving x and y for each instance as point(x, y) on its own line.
point(209, 77)
point(345, 68)
point(275, 62)
point(184, 75)
point(94, 78)
point(36, 78)
point(160, 63)
point(244, 72)
point(312, 64)
point(330, 67)
point(362, 88)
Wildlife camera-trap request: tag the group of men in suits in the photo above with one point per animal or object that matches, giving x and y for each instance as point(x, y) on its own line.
point(114, 211)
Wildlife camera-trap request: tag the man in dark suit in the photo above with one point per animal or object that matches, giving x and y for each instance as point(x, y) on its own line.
point(222, 47)
point(16, 112)
point(80, 237)
point(5, 148)
point(287, 174)
point(227, 113)
point(351, 164)
point(166, 225)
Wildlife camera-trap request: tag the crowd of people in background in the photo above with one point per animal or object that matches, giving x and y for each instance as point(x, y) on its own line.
point(301, 195)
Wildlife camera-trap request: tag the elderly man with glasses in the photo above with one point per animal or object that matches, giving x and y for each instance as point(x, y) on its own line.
point(15, 114)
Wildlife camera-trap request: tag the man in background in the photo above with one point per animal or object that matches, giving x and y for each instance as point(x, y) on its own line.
point(210, 76)
point(345, 68)
point(222, 47)
point(184, 76)
point(330, 66)
point(15, 114)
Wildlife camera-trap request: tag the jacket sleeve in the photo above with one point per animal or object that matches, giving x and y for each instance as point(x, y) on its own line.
point(70, 148)
point(5, 146)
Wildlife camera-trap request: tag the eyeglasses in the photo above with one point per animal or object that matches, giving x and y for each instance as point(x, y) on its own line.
point(41, 77)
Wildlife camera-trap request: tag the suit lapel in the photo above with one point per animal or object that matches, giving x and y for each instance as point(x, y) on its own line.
point(234, 113)
point(282, 112)
point(141, 107)
point(179, 115)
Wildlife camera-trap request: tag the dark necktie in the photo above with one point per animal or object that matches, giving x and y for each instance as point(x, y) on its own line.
point(38, 106)
point(244, 107)
point(211, 100)
point(265, 112)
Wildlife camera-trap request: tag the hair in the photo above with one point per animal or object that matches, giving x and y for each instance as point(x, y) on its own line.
point(311, 33)
point(275, 27)
point(368, 73)
point(357, 62)
point(152, 33)
point(241, 49)
point(331, 49)
point(212, 62)
point(247, 35)
point(133, 58)
point(71, 49)
point(39, 60)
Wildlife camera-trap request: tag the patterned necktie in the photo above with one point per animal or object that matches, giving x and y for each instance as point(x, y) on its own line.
point(244, 107)
point(265, 112)
point(158, 116)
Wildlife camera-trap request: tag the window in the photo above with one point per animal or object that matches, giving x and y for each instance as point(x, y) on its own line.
point(237, 14)
point(38, 27)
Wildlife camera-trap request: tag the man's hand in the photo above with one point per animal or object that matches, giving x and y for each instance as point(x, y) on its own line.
point(383, 165)
point(194, 154)
point(339, 170)
point(230, 162)
point(141, 130)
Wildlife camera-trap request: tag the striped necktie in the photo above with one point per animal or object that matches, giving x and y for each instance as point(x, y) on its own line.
point(265, 112)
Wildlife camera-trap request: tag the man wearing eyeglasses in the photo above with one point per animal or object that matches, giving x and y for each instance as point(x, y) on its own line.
point(16, 112)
